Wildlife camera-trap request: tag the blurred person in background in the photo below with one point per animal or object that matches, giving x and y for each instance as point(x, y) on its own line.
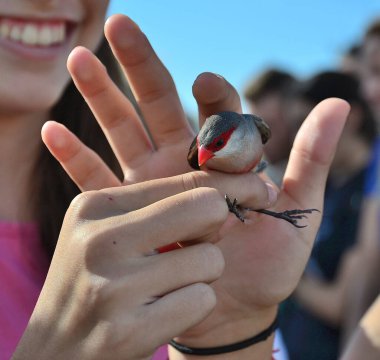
point(266, 95)
point(365, 281)
point(312, 317)
point(350, 62)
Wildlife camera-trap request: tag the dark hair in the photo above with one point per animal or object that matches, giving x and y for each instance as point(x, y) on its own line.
point(373, 29)
point(354, 51)
point(52, 189)
point(269, 81)
point(341, 85)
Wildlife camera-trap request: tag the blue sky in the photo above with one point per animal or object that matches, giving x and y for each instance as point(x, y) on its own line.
point(238, 38)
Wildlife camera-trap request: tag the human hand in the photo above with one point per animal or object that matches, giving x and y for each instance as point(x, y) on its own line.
point(140, 157)
point(108, 291)
point(265, 257)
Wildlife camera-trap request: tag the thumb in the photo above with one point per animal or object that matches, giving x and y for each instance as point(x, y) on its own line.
point(313, 151)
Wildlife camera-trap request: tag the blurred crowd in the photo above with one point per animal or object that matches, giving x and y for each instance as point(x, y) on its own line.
point(341, 279)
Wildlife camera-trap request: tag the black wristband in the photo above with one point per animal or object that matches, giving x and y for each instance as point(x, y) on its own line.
point(227, 348)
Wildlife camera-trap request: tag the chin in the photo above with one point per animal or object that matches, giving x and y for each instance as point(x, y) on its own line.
point(30, 99)
point(29, 104)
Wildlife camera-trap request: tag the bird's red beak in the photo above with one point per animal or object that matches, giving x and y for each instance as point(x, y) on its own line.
point(204, 155)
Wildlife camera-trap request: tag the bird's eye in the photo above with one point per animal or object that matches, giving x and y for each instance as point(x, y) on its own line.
point(219, 143)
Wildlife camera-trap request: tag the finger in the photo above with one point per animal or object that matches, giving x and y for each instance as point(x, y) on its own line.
point(113, 111)
point(179, 311)
point(203, 262)
point(82, 164)
point(247, 188)
point(313, 152)
point(150, 81)
point(214, 94)
point(194, 215)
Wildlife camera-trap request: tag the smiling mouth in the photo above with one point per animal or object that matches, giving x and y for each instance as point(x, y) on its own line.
point(35, 33)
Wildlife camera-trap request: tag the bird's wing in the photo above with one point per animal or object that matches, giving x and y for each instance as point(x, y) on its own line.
point(192, 156)
point(263, 127)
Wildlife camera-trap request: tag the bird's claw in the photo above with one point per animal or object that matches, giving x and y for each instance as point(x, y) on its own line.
point(234, 208)
point(290, 216)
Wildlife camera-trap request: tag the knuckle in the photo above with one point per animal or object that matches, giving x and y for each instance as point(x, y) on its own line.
point(205, 294)
point(254, 190)
point(83, 203)
point(213, 258)
point(213, 203)
point(96, 292)
point(257, 186)
point(192, 180)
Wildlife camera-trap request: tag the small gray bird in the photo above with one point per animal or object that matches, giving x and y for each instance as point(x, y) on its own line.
point(229, 142)
point(233, 143)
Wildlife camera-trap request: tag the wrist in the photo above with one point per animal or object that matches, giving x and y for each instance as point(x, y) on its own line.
point(232, 332)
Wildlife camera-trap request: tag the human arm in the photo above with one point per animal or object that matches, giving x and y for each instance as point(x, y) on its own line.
point(365, 342)
point(327, 299)
point(364, 282)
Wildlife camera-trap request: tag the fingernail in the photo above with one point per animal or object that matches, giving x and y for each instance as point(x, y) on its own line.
point(206, 75)
point(219, 76)
point(272, 193)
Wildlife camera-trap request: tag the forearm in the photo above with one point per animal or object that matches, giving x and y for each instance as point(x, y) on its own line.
point(366, 340)
point(322, 299)
point(361, 292)
point(231, 333)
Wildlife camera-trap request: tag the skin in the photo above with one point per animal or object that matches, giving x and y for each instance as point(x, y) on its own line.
point(366, 339)
point(36, 86)
point(257, 275)
point(48, 77)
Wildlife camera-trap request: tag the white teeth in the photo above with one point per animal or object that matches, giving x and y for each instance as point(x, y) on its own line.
point(54, 35)
point(29, 35)
point(4, 30)
point(61, 32)
point(45, 36)
point(15, 33)
point(33, 34)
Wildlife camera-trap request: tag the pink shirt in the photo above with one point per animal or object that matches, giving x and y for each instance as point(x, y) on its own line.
point(23, 267)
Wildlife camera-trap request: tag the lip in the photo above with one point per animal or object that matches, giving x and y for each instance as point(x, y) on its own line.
point(42, 53)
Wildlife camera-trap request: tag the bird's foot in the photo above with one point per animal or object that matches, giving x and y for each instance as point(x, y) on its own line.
point(234, 208)
point(291, 216)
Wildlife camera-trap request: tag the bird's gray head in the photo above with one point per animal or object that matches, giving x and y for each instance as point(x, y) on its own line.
point(217, 130)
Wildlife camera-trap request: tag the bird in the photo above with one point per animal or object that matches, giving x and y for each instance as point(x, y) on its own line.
point(233, 143)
